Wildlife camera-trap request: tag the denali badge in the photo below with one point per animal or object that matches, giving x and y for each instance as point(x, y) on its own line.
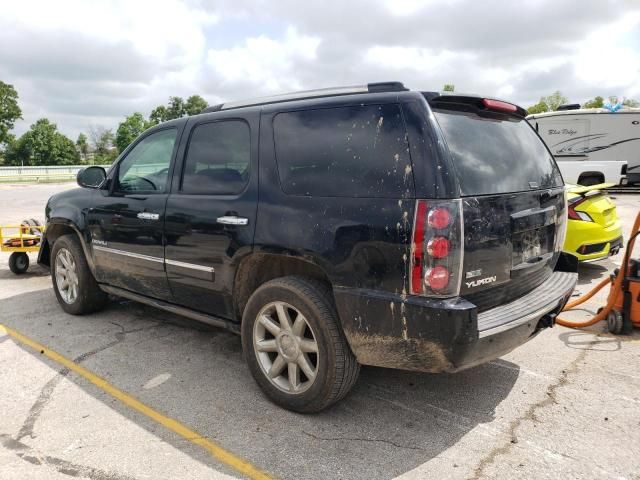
point(474, 273)
point(482, 281)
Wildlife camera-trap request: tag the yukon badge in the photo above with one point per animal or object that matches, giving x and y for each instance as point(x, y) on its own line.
point(481, 281)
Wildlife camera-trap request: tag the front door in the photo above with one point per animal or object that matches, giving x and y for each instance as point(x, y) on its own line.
point(210, 216)
point(127, 225)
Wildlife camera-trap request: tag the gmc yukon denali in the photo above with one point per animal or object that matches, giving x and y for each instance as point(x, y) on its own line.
point(331, 228)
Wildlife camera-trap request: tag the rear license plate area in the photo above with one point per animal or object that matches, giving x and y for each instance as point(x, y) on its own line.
point(530, 246)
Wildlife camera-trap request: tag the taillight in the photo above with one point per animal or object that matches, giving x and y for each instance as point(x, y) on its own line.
point(437, 278)
point(437, 248)
point(439, 218)
point(561, 224)
point(417, 247)
point(573, 214)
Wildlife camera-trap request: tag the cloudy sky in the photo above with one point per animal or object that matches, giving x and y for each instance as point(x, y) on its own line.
point(84, 62)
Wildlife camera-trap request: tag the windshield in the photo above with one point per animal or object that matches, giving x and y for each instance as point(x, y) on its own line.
point(494, 155)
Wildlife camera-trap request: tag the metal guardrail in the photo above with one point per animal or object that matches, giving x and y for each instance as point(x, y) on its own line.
point(41, 171)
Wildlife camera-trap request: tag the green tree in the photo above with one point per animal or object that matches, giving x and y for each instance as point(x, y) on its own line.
point(43, 145)
point(554, 100)
point(103, 139)
point(550, 103)
point(194, 105)
point(158, 115)
point(631, 103)
point(449, 87)
point(9, 110)
point(83, 146)
point(129, 130)
point(539, 107)
point(7, 149)
point(597, 102)
point(176, 108)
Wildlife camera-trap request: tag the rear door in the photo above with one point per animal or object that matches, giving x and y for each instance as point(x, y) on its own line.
point(211, 212)
point(512, 198)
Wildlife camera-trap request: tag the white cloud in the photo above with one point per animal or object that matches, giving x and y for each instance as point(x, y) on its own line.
point(80, 62)
point(403, 8)
point(603, 58)
point(265, 62)
point(419, 59)
point(155, 28)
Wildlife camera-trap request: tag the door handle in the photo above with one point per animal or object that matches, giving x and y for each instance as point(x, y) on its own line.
point(148, 216)
point(232, 220)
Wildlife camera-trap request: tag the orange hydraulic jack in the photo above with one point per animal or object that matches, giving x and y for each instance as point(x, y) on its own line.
point(622, 310)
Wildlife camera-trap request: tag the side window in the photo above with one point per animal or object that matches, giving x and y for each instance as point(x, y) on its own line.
point(146, 167)
point(218, 159)
point(355, 151)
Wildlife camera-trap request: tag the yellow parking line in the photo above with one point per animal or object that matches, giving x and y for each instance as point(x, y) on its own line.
point(175, 426)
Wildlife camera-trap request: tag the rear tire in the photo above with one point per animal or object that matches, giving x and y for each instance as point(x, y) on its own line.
point(307, 354)
point(77, 291)
point(18, 262)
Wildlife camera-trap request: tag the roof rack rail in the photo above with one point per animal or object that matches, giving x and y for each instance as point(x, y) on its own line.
point(307, 94)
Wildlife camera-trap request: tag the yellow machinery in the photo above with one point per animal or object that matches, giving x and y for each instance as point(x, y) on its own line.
point(622, 311)
point(19, 240)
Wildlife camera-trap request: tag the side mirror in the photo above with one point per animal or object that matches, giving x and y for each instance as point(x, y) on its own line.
point(91, 177)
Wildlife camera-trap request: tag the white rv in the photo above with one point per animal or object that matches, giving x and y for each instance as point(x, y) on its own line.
point(593, 145)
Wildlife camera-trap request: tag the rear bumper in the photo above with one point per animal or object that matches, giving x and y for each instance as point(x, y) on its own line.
point(432, 335)
point(591, 241)
point(599, 251)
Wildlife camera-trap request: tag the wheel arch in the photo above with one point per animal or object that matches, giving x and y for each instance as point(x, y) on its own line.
point(599, 175)
point(258, 268)
point(57, 227)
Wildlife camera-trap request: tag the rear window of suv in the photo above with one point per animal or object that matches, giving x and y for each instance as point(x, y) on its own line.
point(493, 155)
point(353, 151)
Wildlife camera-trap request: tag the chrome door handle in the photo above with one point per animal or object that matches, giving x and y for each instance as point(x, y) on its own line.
point(148, 216)
point(233, 220)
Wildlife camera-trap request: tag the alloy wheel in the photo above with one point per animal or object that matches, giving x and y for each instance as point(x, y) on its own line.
point(66, 276)
point(286, 347)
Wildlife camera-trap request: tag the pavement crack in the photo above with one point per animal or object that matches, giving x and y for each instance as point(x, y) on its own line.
point(26, 430)
point(530, 414)
point(358, 439)
point(65, 467)
point(47, 390)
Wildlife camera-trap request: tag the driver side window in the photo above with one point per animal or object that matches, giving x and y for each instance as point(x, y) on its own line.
point(146, 166)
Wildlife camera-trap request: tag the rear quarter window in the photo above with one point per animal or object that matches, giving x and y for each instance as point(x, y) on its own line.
point(353, 151)
point(496, 154)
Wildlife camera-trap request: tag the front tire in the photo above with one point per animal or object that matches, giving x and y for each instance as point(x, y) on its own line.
point(77, 291)
point(294, 345)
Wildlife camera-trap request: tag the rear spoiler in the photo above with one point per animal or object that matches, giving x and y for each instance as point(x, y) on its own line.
point(581, 190)
point(479, 104)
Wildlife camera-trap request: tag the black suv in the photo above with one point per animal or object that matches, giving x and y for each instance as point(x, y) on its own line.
point(331, 228)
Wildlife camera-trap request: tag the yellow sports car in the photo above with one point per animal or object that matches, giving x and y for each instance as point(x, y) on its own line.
point(593, 231)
